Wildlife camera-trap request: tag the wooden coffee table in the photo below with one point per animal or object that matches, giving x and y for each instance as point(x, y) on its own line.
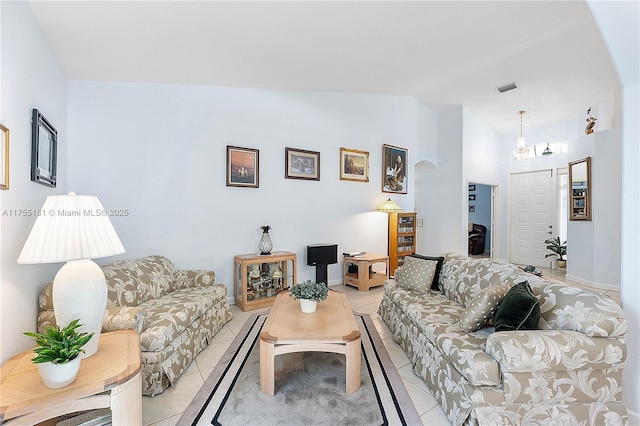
point(110, 378)
point(331, 328)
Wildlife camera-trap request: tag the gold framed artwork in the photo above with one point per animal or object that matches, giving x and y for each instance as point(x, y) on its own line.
point(243, 167)
point(301, 164)
point(394, 169)
point(4, 158)
point(354, 165)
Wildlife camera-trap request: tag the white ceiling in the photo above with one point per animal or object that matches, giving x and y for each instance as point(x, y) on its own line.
point(441, 52)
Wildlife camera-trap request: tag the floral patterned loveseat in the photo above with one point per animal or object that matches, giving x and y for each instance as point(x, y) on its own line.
point(176, 313)
point(567, 372)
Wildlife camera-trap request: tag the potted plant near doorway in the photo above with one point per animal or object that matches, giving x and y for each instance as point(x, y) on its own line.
point(558, 249)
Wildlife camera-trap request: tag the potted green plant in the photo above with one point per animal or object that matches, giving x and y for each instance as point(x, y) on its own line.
point(58, 353)
point(558, 249)
point(309, 293)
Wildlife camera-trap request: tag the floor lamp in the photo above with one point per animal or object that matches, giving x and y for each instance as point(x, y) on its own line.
point(389, 206)
point(75, 229)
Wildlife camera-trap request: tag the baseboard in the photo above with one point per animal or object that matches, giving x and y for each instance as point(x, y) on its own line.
point(634, 418)
point(601, 286)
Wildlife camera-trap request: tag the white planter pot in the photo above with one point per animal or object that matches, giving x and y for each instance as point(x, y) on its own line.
point(308, 306)
point(58, 375)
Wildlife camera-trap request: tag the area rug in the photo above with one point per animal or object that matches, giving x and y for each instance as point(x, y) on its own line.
point(309, 387)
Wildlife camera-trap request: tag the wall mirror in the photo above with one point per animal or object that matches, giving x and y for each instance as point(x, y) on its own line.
point(580, 189)
point(44, 150)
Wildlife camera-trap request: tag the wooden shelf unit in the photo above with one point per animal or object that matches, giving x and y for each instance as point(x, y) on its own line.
point(256, 283)
point(402, 238)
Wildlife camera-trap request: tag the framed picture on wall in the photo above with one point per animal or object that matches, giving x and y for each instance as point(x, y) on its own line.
point(472, 197)
point(472, 187)
point(243, 167)
point(44, 150)
point(354, 165)
point(301, 164)
point(472, 209)
point(394, 169)
point(4, 158)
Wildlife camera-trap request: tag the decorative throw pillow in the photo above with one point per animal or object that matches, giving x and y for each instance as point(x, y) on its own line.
point(417, 274)
point(436, 277)
point(519, 310)
point(482, 307)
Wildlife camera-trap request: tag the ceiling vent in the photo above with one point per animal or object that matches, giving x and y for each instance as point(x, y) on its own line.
point(507, 87)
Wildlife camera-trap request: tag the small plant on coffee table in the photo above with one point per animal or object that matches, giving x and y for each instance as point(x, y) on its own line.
point(309, 290)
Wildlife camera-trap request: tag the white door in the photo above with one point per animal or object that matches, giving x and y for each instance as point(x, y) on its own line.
point(532, 216)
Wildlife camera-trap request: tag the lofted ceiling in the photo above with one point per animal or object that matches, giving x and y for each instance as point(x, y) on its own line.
point(440, 52)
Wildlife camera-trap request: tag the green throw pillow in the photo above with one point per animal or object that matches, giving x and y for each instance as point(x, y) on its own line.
point(519, 310)
point(417, 274)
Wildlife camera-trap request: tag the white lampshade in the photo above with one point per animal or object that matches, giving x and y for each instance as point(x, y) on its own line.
point(71, 227)
point(75, 229)
point(389, 206)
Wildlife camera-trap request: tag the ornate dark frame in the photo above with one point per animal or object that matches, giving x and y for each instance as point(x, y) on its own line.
point(44, 150)
point(291, 173)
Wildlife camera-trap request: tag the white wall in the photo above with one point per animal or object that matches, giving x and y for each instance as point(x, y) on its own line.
point(159, 151)
point(619, 23)
point(439, 197)
point(593, 254)
point(30, 78)
point(481, 165)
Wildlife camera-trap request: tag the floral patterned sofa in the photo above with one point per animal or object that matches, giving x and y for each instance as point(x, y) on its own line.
point(175, 312)
point(569, 371)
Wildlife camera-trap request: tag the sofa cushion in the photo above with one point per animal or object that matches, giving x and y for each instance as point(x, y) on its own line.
point(462, 278)
point(466, 352)
point(482, 307)
point(131, 282)
point(125, 318)
point(519, 310)
point(171, 314)
point(436, 277)
point(417, 274)
point(437, 317)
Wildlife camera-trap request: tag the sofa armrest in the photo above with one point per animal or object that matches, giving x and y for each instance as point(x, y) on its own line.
point(555, 350)
point(46, 318)
point(193, 278)
point(45, 300)
point(125, 318)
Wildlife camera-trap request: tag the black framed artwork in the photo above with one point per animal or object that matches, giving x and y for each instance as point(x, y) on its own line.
point(44, 150)
point(394, 169)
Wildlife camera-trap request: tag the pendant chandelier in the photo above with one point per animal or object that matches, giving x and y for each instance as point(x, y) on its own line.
point(521, 151)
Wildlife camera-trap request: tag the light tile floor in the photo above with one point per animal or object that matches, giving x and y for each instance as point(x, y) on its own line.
point(166, 408)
